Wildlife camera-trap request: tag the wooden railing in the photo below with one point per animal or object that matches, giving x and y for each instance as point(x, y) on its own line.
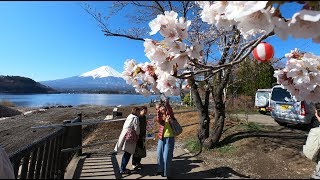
point(49, 157)
point(44, 159)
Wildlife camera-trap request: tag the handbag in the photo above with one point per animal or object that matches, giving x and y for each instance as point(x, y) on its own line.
point(312, 147)
point(175, 126)
point(131, 135)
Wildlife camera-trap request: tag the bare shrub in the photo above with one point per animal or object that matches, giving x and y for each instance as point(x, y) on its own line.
point(240, 103)
point(7, 103)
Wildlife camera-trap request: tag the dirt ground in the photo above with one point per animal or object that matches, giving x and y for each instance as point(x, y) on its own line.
point(16, 131)
point(245, 151)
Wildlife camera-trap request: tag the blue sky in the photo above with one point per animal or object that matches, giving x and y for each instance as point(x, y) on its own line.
point(56, 39)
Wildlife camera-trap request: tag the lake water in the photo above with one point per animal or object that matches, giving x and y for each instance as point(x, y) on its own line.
point(40, 100)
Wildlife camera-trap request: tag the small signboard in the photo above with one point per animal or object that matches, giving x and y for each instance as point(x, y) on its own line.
point(150, 126)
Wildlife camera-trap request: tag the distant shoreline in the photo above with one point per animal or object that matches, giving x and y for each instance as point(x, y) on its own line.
point(81, 105)
point(68, 100)
point(13, 93)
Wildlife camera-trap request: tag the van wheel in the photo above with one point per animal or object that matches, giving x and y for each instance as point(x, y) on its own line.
point(281, 123)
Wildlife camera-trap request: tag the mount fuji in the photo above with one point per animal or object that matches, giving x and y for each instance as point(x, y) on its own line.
point(103, 79)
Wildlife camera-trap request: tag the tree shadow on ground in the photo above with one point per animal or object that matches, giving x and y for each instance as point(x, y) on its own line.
point(281, 137)
point(184, 167)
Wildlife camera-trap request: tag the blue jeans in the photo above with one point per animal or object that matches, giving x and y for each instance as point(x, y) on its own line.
point(165, 155)
point(125, 159)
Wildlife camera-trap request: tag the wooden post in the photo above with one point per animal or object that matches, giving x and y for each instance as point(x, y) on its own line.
point(72, 138)
point(57, 164)
point(65, 156)
point(45, 160)
point(61, 163)
point(39, 162)
point(32, 164)
point(24, 169)
point(79, 134)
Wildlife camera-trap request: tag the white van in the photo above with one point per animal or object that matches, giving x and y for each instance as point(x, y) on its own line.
point(287, 110)
point(262, 100)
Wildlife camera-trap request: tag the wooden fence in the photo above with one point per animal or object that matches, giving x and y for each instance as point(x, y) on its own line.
point(49, 157)
point(44, 159)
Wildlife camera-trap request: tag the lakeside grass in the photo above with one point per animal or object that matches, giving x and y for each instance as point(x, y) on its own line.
point(7, 103)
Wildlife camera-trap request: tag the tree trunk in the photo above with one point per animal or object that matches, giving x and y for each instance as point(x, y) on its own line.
point(204, 119)
point(219, 117)
point(219, 111)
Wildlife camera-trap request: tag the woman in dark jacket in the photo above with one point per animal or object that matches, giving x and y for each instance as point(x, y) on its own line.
point(140, 151)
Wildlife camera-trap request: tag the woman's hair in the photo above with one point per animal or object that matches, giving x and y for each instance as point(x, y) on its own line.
point(134, 110)
point(143, 107)
point(161, 105)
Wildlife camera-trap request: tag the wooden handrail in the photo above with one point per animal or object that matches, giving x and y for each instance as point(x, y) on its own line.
point(43, 158)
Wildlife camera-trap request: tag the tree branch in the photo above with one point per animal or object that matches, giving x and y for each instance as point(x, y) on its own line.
point(106, 30)
point(145, 6)
point(185, 8)
point(159, 5)
point(170, 5)
point(240, 56)
point(109, 33)
point(249, 48)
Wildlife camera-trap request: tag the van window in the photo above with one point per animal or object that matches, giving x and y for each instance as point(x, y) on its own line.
point(280, 94)
point(262, 98)
point(263, 93)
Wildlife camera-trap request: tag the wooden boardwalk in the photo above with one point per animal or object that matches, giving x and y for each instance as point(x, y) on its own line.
point(184, 166)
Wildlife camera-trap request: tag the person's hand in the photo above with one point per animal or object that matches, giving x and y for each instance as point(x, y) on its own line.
point(316, 114)
point(167, 118)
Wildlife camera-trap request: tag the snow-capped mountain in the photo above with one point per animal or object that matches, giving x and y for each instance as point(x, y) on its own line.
point(101, 72)
point(102, 78)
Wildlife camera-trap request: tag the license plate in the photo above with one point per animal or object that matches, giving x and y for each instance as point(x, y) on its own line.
point(285, 107)
point(262, 109)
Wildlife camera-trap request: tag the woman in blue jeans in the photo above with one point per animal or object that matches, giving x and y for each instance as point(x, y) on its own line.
point(166, 139)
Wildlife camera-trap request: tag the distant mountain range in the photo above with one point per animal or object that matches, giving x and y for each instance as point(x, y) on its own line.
point(103, 79)
point(22, 85)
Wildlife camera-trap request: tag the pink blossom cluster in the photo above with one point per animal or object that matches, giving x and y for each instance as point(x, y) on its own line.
point(301, 76)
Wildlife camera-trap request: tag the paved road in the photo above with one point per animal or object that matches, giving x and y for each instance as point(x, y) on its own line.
point(258, 118)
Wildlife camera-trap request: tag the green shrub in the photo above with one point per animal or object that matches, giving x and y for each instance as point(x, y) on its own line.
point(193, 145)
point(252, 126)
point(226, 149)
point(186, 100)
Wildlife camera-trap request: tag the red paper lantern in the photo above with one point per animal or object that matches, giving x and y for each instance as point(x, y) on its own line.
point(263, 52)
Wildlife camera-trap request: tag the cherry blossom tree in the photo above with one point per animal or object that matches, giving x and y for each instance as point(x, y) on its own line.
point(301, 76)
point(207, 52)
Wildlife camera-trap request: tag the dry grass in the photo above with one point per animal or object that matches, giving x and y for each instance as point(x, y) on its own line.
point(7, 103)
point(189, 122)
point(240, 104)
